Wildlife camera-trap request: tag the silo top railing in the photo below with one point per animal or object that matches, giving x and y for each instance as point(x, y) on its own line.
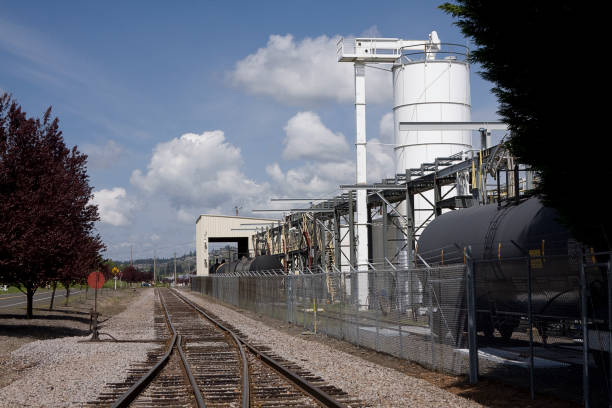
point(447, 52)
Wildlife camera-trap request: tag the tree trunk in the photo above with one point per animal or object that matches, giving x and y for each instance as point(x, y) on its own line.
point(52, 296)
point(86, 291)
point(67, 294)
point(30, 295)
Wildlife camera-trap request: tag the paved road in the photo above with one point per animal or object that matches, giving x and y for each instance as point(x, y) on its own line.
point(19, 299)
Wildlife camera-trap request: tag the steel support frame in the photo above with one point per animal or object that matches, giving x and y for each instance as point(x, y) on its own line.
point(337, 240)
point(398, 193)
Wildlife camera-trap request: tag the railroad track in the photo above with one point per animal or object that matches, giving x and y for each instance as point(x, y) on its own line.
point(206, 362)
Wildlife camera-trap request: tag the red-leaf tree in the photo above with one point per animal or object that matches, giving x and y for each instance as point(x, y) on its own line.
point(106, 269)
point(85, 261)
point(132, 274)
point(46, 219)
point(129, 274)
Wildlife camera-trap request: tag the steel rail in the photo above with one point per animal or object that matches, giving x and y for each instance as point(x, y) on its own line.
point(246, 396)
point(312, 390)
point(192, 381)
point(128, 397)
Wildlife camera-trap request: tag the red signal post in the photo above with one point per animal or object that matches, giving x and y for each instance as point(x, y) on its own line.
point(95, 280)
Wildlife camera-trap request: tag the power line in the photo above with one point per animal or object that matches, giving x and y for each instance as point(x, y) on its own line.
point(174, 246)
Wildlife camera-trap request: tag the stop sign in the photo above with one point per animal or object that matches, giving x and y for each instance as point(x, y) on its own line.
point(95, 280)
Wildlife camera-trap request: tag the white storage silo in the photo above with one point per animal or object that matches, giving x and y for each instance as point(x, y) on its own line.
point(429, 85)
point(429, 90)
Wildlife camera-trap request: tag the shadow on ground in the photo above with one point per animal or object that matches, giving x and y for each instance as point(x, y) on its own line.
point(40, 332)
point(83, 318)
point(70, 311)
point(492, 393)
point(45, 324)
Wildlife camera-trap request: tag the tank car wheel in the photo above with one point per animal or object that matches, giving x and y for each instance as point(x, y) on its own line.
point(485, 324)
point(542, 329)
point(506, 331)
point(488, 330)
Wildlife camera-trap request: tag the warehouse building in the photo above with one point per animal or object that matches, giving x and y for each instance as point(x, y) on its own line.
point(226, 228)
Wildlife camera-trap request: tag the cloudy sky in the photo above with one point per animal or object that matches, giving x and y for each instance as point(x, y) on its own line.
point(189, 107)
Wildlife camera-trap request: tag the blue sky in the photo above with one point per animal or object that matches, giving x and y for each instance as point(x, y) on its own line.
point(254, 85)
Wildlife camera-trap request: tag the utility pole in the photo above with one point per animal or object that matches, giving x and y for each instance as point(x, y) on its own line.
point(154, 267)
point(131, 255)
point(175, 269)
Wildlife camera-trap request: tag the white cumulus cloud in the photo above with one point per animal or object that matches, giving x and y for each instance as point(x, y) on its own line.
point(113, 205)
point(385, 128)
point(185, 216)
point(202, 173)
point(380, 155)
point(380, 161)
point(311, 179)
point(197, 171)
point(322, 179)
point(329, 161)
point(308, 138)
point(305, 71)
point(326, 154)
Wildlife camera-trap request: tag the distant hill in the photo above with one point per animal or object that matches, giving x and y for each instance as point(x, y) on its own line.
point(185, 264)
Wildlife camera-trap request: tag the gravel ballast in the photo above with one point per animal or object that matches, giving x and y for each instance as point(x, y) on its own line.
point(64, 372)
point(375, 385)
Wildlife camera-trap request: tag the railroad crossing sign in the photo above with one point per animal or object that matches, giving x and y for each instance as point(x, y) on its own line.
point(115, 272)
point(95, 280)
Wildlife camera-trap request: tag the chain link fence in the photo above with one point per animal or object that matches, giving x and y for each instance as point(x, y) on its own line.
point(418, 314)
point(533, 315)
point(596, 276)
point(539, 322)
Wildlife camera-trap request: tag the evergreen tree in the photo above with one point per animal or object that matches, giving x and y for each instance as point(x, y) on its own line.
point(535, 52)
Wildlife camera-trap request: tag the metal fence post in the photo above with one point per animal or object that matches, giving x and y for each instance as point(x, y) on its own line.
point(358, 307)
point(342, 285)
point(327, 303)
point(585, 333)
point(431, 319)
point(610, 329)
point(304, 301)
point(314, 313)
point(288, 303)
point(293, 299)
point(399, 322)
point(530, 318)
point(377, 331)
point(471, 315)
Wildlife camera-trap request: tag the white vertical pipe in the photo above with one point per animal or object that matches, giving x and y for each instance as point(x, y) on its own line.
point(362, 208)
